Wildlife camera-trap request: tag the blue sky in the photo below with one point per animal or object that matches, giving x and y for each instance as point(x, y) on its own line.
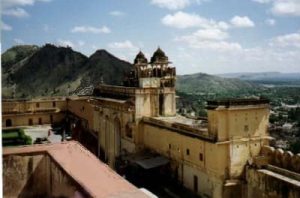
point(211, 36)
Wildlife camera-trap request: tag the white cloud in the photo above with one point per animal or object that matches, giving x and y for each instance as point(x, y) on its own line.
point(259, 59)
point(242, 22)
point(81, 43)
point(18, 41)
point(123, 45)
point(286, 7)
point(216, 46)
point(176, 4)
point(124, 57)
point(5, 27)
point(116, 13)
point(15, 12)
point(73, 44)
point(287, 40)
point(262, 1)
point(15, 3)
point(270, 22)
point(90, 29)
point(212, 39)
point(205, 34)
point(183, 20)
point(171, 4)
point(65, 43)
point(223, 25)
point(283, 7)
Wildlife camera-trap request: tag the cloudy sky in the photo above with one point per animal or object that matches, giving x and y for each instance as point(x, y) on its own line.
point(211, 36)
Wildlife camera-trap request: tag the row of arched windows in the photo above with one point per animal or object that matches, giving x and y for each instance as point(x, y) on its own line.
point(9, 123)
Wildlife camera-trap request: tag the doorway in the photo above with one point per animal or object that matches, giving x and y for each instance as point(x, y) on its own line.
point(161, 103)
point(195, 184)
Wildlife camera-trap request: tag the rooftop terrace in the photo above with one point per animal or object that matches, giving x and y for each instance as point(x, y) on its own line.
point(187, 126)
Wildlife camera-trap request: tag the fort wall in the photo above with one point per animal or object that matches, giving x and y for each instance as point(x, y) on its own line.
point(280, 158)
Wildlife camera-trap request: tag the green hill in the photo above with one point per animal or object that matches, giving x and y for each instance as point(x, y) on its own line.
point(16, 54)
point(201, 83)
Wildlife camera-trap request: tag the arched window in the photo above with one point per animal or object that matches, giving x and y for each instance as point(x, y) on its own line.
point(40, 121)
point(37, 105)
point(8, 123)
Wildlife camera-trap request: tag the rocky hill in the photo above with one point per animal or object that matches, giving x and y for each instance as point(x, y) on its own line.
point(31, 71)
point(52, 70)
point(16, 54)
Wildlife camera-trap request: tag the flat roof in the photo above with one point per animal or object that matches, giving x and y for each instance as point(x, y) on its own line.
point(187, 126)
point(196, 123)
point(94, 176)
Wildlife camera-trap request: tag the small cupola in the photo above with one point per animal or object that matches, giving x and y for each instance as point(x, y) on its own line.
point(159, 56)
point(140, 58)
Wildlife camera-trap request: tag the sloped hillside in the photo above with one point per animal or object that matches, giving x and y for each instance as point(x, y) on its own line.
point(203, 83)
point(53, 70)
point(16, 54)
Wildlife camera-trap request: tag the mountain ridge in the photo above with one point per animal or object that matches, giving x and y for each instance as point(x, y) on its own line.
point(51, 70)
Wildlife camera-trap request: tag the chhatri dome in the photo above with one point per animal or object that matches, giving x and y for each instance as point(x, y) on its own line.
point(140, 58)
point(159, 56)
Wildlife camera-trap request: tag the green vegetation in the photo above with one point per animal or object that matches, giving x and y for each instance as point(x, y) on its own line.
point(16, 54)
point(195, 101)
point(295, 146)
point(204, 84)
point(15, 137)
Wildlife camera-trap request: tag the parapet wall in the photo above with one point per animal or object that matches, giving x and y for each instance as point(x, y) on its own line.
point(35, 175)
point(282, 159)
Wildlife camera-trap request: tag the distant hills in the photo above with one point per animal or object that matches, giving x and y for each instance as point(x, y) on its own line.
point(31, 71)
point(276, 78)
point(201, 83)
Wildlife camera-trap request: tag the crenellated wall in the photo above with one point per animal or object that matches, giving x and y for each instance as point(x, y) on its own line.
point(283, 159)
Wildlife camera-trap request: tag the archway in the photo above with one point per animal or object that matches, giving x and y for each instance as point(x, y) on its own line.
point(8, 123)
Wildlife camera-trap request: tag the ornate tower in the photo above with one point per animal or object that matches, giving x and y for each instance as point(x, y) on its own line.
point(155, 83)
